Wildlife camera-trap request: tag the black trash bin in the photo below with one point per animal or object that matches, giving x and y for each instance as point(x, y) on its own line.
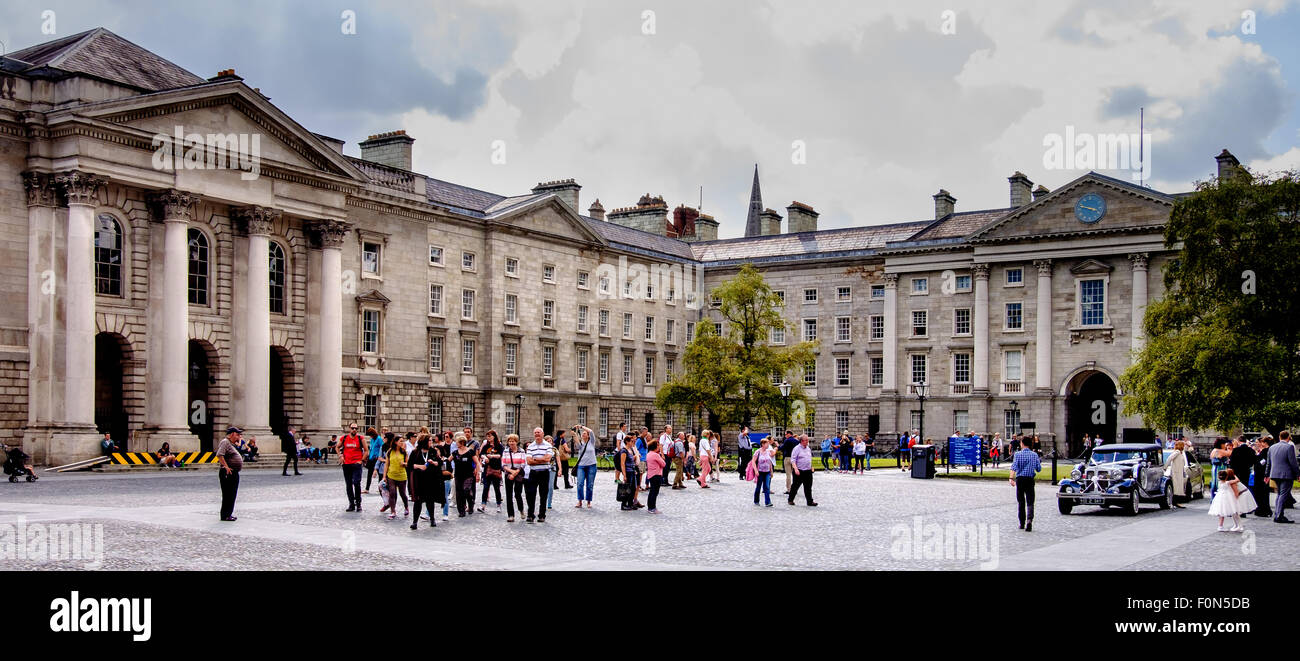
point(923, 457)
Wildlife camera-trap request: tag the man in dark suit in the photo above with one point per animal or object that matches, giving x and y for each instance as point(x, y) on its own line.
point(1260, 490)
point(1283, 469)
point(1241, 459)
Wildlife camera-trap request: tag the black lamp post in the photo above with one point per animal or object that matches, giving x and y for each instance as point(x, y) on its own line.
point(1015, 415)
point(785, 395)
point(519, 409)
point(922, 394)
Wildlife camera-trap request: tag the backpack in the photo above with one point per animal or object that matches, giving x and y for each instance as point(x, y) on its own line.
point(671, 450)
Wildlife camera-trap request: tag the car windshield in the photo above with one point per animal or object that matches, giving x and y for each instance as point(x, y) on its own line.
point(1106, 457)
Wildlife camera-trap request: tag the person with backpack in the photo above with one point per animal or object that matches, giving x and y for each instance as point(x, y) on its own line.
point(787, 447)
point(585, 450)
point(764, 462)
point(828, 448)
point(625, 462)
point(642, 449)
point(745, 448)
point(353, 451)
point(677, 453)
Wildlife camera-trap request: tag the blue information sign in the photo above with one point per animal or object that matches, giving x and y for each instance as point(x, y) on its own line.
point(963, 451)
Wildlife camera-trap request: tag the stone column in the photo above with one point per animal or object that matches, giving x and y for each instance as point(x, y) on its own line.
point(169, 416)
point(42, 278)
point(981, 376)
point(329, 387)
point(890, 357)
point(1043, 328)
point(255, 414)
point(76, 437)
point(1139, 298)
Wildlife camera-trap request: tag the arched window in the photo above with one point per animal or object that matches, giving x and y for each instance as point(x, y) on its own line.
point(108, 255)
point(277, 271)
point(199, 267)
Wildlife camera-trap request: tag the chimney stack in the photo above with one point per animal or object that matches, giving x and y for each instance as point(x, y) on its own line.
point(706, 228)
point(1229, 166)
point(392, 149)
point(1021, 188)
point(769, 222)
point(800, 218)
point(683, 224)
point(596, 210)
point(649, 215)
point(944, 204)
point(565, 189)
point(1040, 192)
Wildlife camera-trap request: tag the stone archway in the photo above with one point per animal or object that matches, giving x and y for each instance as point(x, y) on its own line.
point(112, 356)
point(202, 387)
point(1091, 407)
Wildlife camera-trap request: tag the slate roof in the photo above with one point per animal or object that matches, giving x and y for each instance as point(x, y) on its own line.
point(852, 239)
point(959, 224)
point(459, 198)
point(102, 54)
point(638, 239)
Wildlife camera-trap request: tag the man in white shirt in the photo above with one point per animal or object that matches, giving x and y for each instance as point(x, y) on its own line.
point(666, 437)
point(539, 454)
point(620, 434)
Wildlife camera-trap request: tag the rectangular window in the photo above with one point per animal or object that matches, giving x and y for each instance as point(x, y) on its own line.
point(690, 332)
point(603, 316)
point(809, 330)
point(780, 296)
point(582, 416)
point(877, 327)
point(511, 427)
point(370, 331)
point(670, 330)
point(370, 258)
point(604, 367)
point(649, 370)
point(435, 353)
point(961, 368)
point(467, 415)
point(627, 368)
point(512, 357)
point(435, 300)
point(877, 371)
point(435, 415)
point(843, 294)
point(548, 314)
point(435, 256)
point(810, 373)
point(604, 420)
point(1015, 370)
point(1016, 276)
point(1011, 423)
point(370, 411)
point(1092, 302)
point(627, 325)
point(512, 309)
point(467, 304)
point(717, 328)
point(467, 356)
point(649, 291)
point(841, 372)
point(548, 273)
point(467, 262)
point(961, 421)
point(810, 296)
point(627, 418)
point(548, 361)
point(583, 277)
point(582, 318)
point(877, 291)
point(842, 329)
point(919, 371)
point(778, 335)
point(920, 285)
point(650, 329)
point(841, 420)
point(512, 267)
point(603, 285)
point(670, 365)
point(963, 283)
point(582, 364)
point(1015, 316)
point(961, 321)
point(920, 323)
point(671, 296)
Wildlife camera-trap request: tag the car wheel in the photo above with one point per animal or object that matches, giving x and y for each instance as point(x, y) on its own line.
point(1199, 494)
point(1168, 500)
point(1064, 506)
point(1105, 506)
point(1131, 508)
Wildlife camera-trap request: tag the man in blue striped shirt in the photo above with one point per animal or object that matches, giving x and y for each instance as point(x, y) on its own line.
point(1024, 466)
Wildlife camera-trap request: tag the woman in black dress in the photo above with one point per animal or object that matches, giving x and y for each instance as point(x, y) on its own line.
point(490, 457)
point(465, 473)
point(424, 471)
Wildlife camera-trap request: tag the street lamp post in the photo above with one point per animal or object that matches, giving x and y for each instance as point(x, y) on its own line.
point(519, 409)
point(922, 394)
point(785, 396)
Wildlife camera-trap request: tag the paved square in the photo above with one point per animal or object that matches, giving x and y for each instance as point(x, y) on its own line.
point(881, 520)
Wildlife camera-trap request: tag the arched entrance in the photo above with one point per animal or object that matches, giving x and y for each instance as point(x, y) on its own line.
point(1090, 408)
point(111, 354)
point(281, 369)
point(201, 413)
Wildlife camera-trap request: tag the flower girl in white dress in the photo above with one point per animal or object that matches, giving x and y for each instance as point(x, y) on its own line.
point(1233, 499)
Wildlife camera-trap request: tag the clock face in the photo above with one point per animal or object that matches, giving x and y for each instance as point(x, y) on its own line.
point(1090, 208)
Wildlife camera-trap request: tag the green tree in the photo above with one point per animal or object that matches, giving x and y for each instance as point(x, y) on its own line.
point(730, 375)
point(1223, 348)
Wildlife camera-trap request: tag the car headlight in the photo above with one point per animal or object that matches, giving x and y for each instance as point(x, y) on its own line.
point(1075, 474)
point(1116, 474)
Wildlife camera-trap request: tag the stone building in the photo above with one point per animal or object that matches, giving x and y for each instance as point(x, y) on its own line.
point(181, 255)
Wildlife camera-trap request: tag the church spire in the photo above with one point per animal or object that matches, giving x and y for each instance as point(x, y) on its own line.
point(752, 224)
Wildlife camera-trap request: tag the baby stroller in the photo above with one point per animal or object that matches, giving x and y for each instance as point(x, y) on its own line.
point(16, 465)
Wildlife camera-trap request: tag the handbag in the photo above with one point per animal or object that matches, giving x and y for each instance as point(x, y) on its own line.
point(625, 492)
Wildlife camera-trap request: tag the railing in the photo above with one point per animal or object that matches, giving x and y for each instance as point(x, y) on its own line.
point(1012, 387)
point(961, 388)
point(386, 176)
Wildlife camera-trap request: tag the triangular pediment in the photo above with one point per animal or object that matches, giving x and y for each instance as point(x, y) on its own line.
point(1127, 208)
point(224, 109)
point(1091, 267)
point(546, 215)
point(374, 296)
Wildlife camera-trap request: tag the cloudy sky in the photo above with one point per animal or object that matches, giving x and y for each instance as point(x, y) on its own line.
point(890, 100)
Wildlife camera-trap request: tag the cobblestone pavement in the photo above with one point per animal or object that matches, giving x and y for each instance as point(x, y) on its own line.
point(881, 520)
